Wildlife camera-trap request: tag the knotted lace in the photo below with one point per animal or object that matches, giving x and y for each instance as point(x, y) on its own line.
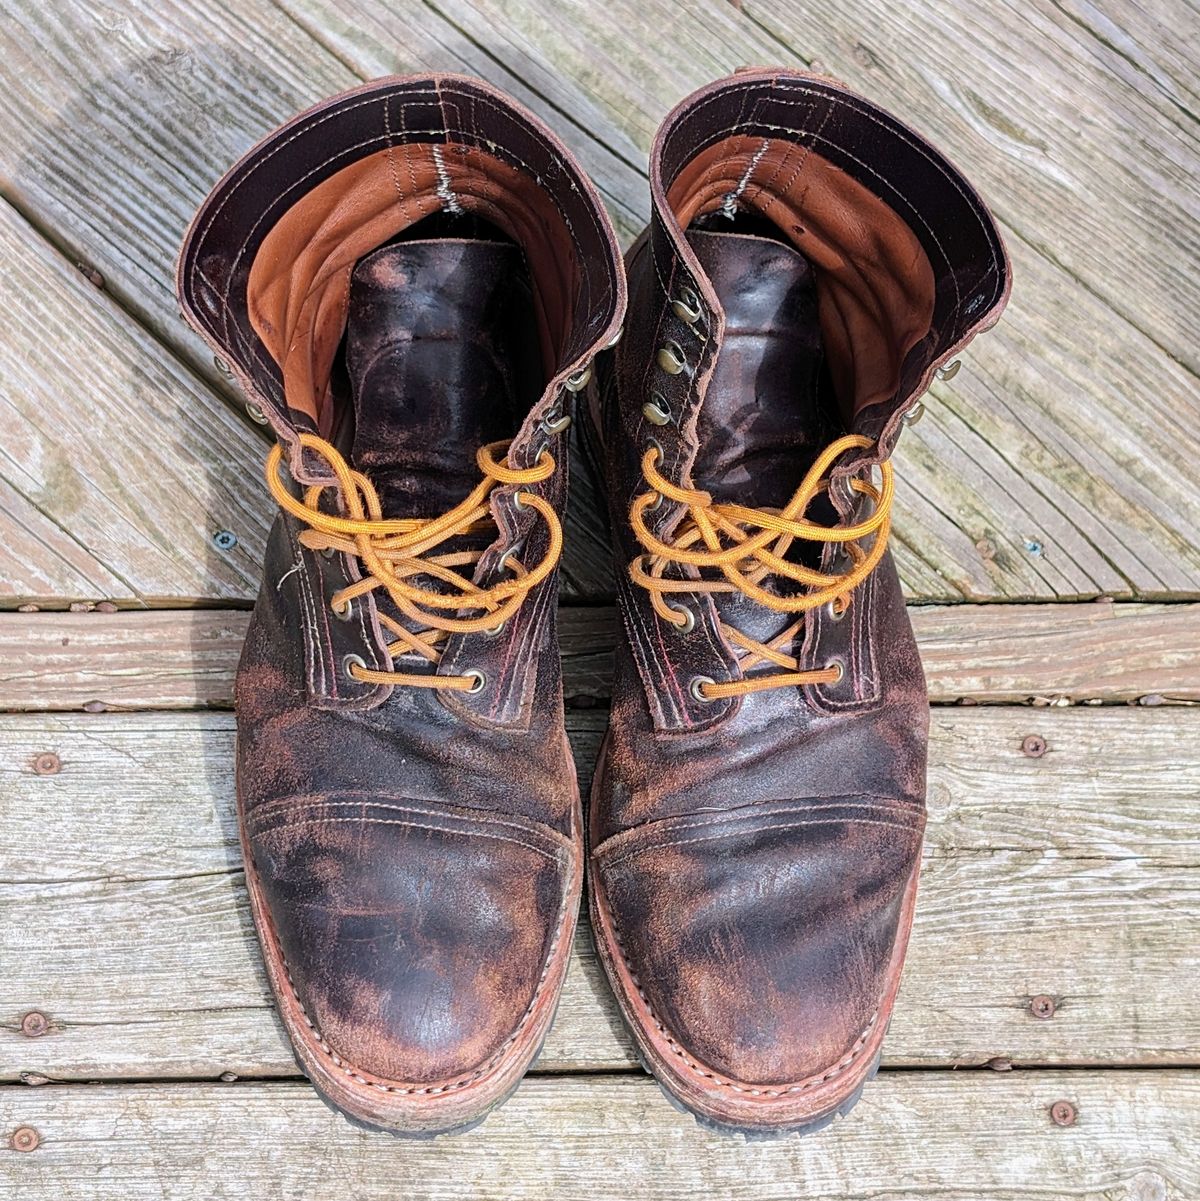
point(746, 545)
point(394, 551)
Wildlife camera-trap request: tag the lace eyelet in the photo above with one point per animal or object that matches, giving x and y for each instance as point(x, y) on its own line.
point(327, 552)
point(255, 413)
point(914, 414)
point(351, 661)
point(656, 410)
point(833, 613)
point(840, 668)
point(686, 305)
point(578, 381)
point(518, 501)
point(689, 618)
point(949, 371)
point(554, 423)
point(496, 630)
point(670, 358)
point(473, 673)
point(696, 688)
point(343, 612)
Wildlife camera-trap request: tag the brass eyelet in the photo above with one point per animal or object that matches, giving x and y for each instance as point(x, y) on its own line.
point(614, 339)
point(579, 380)
point(554, 423)
point(686, 305)
point(833, 614)
point(352, 661)
point(688, 624)
point(473, 673)
point(344, 611)
point(670, 358)
point(696, 688)
point(327, 552)
point(255, 413)
point(840, 668)
point(656, 410)
point(496, 629)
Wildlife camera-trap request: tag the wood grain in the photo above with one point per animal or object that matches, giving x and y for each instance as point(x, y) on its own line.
point(185, 659)
point(117, 467)
point(972, 1136)
point(1057, 466)
point(1072, 875)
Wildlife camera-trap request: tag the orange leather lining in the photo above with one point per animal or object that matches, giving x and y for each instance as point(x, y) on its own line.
point(299, 286)
point(875, 285)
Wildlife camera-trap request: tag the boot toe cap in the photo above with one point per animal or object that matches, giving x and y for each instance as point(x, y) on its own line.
point(762, 947)
point(415, 946)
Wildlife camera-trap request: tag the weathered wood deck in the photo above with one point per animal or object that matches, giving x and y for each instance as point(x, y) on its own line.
point(139, 1053)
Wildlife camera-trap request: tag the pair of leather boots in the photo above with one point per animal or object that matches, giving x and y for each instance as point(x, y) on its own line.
point(419, 289)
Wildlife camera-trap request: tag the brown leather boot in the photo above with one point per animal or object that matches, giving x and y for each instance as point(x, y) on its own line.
point(410, 281)
point(758, 809)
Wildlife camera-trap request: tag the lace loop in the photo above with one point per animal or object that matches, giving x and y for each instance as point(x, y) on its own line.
point(395, 551)
point(746, 545)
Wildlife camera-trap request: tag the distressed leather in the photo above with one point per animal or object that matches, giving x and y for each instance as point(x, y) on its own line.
point(414, 855)
point(754, 859)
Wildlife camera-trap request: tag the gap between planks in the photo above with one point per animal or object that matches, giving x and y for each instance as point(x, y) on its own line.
point(172, 659)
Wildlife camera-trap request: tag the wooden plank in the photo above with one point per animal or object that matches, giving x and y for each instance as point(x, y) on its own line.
point(988, 653)
point(158, 659)
point(1071, 875)
point(973, 1136)
point(117, 466)
point(169, 96)
point(162, 98)
point(1055, 467)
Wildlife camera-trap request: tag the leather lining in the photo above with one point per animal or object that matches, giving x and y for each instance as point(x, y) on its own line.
point(875, 285)
point(299, 284)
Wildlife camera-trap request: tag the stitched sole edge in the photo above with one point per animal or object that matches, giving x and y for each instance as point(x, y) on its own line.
point(427, 1136)
point(760, 1134)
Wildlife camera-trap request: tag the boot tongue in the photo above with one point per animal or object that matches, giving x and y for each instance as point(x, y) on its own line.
point(764, 418)
point(762, 422)
point(435, 351)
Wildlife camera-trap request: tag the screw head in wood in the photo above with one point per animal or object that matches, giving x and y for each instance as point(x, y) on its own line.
point(1034, 745)
point(47, 764)
point(1042, 1006)
point(24, 1138)
point(34, 1024)
point(1063, 1113)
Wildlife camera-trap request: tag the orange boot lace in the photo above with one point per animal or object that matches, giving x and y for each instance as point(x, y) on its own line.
point(746, 545)
point(394, 550)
